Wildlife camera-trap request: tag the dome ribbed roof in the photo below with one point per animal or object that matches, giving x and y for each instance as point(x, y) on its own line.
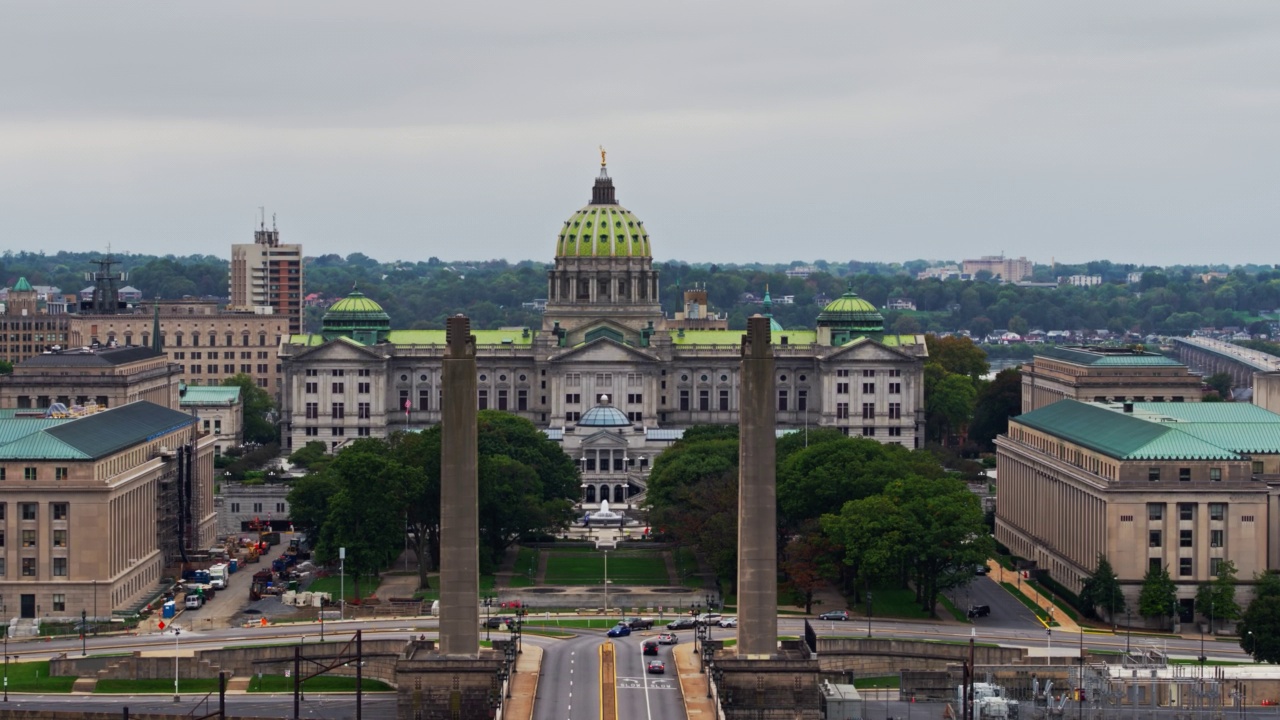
point(357, 317)
point(604, 415)
point(851, 311)
point(22, 285)
point(356, 302)
point(604, 228)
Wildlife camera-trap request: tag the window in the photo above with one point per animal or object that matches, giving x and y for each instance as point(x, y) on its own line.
point(338, 387)
point(60, 473)
point(362, 432)
point(868, 432)
point(572, 398)
point(28, 538)
point(684, 400)
point(895, 432)
point(895, 411)
point(704, 400)
point(868, 373)
point(842, 411)
point(1184, 567)
point(782, 401)
point(1153, 474)
point(483, 399)
point(1217, 511)
point(313, 388)
point(522, 400)
point(1154, 538)
point(337, 432)
point(1215, 474)
point(636, 398)
point(59, 602)
point(362, 388)
point(1155, 511)
point(604, 380)
point(802, 400)
point(312, 372)
point(280, 507)
point(337, 410)
point(1153, 564)
point(635, 380)
point(1184, 474)
point(724, 400)
point(313, 410)
point(257, 507)
point(2, 567)
point(1186, 511)
point(338, 373)
point(868, 411)
point(842, 388)
point(59, 568)
point(842, 373)
point(895, 388)
point(29, 473)
point(1215, 565)
point(311, 432)
point(363, 372)
point(2, 474)
point(28, 567)
point(868, 388)
point(28, 511)
point(1215, 538)
point(573, 416)
point(1257, 467)
point(573, 379)
point(362, 411)
point(502, 399)
point(59, 511)
point(1185, 538)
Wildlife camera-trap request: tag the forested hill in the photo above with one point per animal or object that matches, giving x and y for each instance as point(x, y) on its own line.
point(421, 294)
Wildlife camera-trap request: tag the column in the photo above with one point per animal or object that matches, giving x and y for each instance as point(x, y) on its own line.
point(459, 496)
point(757, 497)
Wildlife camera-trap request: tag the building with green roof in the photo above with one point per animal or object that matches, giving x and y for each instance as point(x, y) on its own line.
point(603, 334)
point(220, 411)
point(1168, 484)
point(100, 504)
point(1102, 373)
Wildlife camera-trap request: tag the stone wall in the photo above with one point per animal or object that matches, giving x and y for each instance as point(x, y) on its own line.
point(887, 657)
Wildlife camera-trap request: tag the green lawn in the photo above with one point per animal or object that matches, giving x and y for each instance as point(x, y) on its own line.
point(891, 602)
point(639, 568)
point(334, 585)
point(34, 677)
point(157, 685)
point(324, 683)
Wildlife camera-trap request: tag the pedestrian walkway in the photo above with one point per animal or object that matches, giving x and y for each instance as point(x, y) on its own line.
point(693, 683)
point(524, 684)
point(1001, 575)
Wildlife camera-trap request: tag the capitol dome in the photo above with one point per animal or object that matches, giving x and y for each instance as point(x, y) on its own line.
point(604, 415)
point(357, 317)
point(603, 228)
point(851, 313)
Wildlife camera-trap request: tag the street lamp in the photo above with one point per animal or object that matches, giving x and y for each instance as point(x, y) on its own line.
point(342, 583)
point(6, 662)
point(84, 632)
point(488, 602)
point(176, 697)
point(606, 582)
point(868, 614)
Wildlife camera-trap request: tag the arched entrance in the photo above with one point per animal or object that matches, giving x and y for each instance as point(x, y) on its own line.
point(591, 494)
point(604, 492)
point(619, 493)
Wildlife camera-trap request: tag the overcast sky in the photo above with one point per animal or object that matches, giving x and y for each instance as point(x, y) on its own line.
point(739, 131)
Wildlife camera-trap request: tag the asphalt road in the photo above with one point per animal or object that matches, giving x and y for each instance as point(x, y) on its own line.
point(1006, 610)
point(641, 695)
point(569, 687)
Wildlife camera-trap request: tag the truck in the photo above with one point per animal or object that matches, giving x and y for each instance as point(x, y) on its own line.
point(261, 580)
point(194, 601)
point(218, 576)
point(638, 623)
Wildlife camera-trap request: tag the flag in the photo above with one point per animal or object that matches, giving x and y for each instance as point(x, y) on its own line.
point(406, 406)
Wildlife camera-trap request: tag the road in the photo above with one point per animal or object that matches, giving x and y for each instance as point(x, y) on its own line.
point(569, 686)
point(1006, 610)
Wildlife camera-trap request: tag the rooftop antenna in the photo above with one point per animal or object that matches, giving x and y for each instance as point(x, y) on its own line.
point(262, 217)
point(273, 221)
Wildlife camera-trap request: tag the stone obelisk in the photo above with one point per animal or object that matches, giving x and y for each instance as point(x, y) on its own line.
point(757, 497)
point(459, 496)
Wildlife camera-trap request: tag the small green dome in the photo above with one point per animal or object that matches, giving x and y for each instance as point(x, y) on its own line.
point(603, 228)
point(357, 317)
point(22, 285)
point(852, 313)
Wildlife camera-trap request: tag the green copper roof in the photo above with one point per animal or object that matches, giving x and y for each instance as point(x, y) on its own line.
point(356, 302)
point(429, 337)
point(734, 337)
point(603, 231)
point(357, 317)
point(1121, 435)
point(22, 285)
point(852, 312)
point(210, 395)
point(1109, 357)
point(1239, 427)
point(902, 340)
point(89, 437)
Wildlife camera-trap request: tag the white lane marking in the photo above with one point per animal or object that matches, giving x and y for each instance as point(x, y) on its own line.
point(648, 709)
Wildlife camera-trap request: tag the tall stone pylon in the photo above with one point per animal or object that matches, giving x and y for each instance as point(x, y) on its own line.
point(459, 496)
point(757, 497)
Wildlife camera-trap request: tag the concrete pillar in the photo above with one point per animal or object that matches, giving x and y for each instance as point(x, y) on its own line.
point(757, 497)
point(459, 496)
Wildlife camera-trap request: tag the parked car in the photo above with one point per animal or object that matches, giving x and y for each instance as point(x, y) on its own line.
point(657, 667)
point(835, 615)
point(650, 647)
point(668, 638)
point(729, 622)
point(683, 623)
point(981, 570)
point(620, 630)
point(977, 611)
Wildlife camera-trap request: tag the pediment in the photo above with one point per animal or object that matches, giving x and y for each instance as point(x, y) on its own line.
point(868, 350)
point(608, 436)
point(338, 350)
point(603, 350)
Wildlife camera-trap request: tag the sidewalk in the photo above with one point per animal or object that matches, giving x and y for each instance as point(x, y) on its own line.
point(524, 688)
point(693, 684)
point(1000, 575)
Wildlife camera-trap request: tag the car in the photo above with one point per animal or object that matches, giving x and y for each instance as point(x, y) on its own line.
point(977, 611)
point(619, 630)
point(683, 623)
point(835, 615)
point(729, 622)
point(709, 618)
point(497, 621)
point(657, 667)
point(981, 570)
point(668, 638)
point(637, 623)
point(650, 647)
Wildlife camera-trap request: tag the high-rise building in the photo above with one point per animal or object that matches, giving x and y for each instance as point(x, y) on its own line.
point(1008, 270)
point(267, 274)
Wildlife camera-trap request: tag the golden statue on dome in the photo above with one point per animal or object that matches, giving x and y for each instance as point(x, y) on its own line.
point(601, 155)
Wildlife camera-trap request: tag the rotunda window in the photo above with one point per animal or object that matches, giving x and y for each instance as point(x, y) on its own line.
point(502, 378)
point(404, 378)
point(484, 378)
point(423, 378)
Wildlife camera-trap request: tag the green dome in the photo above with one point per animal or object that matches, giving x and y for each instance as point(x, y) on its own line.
point(357, 317)
point(852, 313)
point(603, 228)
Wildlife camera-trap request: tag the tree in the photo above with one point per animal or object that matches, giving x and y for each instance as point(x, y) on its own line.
point(1102, 589)
point(6, 367)
point(256, 404)
point(997, 401)
point(1259, 628)
point(1159, 595)
point(1220, 383)
point(309, 455)
point(1216, 600)
point(958, 355)
point(949, 406)
point(309, 503)
point(804, 565)
point(421, 495)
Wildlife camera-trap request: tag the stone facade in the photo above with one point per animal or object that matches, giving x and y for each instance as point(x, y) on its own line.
point(109, 377)
point(268, 274)
point(1105, 374)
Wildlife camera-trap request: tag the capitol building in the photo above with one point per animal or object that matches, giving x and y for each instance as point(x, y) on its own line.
point(607, 373)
